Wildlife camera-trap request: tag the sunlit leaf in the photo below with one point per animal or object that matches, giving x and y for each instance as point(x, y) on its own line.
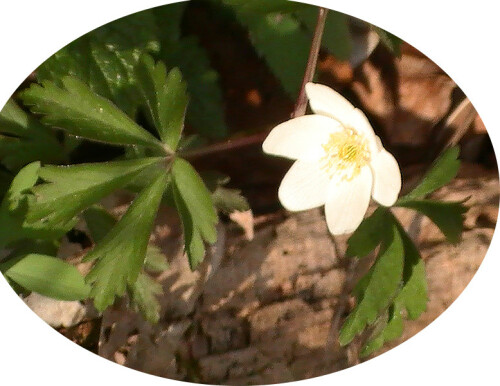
point(46, 275)
point(75, 108)
point(120, 254)
point(70, 189)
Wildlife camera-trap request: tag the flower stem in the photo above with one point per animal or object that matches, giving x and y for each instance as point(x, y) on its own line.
point(301, 104)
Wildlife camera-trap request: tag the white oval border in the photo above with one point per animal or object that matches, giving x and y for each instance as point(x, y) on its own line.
point(459, 348)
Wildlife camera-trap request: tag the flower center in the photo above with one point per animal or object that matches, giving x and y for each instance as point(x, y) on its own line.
point(346, 152)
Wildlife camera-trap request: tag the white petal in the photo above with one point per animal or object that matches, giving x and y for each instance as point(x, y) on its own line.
point(323, 100)
point(386, 178)
point(347, 202)
point(305, 186)
point(300, 138)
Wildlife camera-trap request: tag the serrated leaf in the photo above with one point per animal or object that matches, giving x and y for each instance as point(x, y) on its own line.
point(205, 111)
point(336, 35)
point(100, 222)
point(229, 200)
point(369, 234)
point(282, 42)
point(165, 97)
point(120, 254)
point(442, 171)
point(143, 297)
point(389, 40)
point(196, 209)
point(379, 290)
point(46, 275)
point(14, 207)
point(105, 58)
point(70, 189)
point(75, 108)
point(448, 216)
point(23, 139)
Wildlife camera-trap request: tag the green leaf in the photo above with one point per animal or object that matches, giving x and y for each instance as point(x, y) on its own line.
point(75, 108)
point(120, 254)
point(336, 35)
point(155, 260)
point(448, 216)
point(14, 208)
point(205, 111)
point(23, 139)
point(47, 276)
point(369, 234)
point(143, 297)
point(382, 283)
point(105, 58)
point(70, 189)
point(165, 98)
point(196, 209)
point(443, 170)
point(229, 200)
point(412, 297)
point(389, 40)
point(100, 222)
point(280, 40)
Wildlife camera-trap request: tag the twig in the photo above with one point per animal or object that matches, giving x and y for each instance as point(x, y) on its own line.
point(301, 104)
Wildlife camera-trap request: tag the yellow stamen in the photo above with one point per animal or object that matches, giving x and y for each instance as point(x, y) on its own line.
point(346, 153)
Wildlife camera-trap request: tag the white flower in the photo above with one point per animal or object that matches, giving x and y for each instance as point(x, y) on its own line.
point(340, 161)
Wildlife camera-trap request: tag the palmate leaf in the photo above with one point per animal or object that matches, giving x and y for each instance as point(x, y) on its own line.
point(120, 254)
point(105, 58)
point(70, 189)
point(376, 290)
point(196, 209)
point(13, 224)
point(442, 171)
point(23, 139)
point(46, 275)
point(75, 108)
point(448, 216)
point(165, 97)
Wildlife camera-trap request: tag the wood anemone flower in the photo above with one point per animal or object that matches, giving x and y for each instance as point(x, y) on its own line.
point(340, 162)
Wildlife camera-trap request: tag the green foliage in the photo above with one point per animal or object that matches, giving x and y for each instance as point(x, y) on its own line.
point(105, 58)
point(225, 199)
point(47, 276)
point(23, 139)
point(119, 256)
point(165, 97)
point(412, 298)
point(143, 297)
point(15, 206)
point(376, 291)
point(282, 42)
point(336, 35)
point(369, 234)
point(442, 171)
point(81, 112)
point(196, 209)
point(70, 189)
point(448, 216)
point(205, 111)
